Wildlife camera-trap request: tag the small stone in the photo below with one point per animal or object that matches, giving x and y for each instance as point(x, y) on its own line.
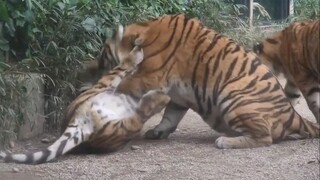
point(135, 147)
point(310, 162)
point(15, 170)
point(11, 144)
point(141, 170)
point(45, 140)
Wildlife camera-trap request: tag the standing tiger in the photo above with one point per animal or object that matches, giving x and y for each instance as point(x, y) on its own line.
point(295, 51)
point(203, 70)
point(99, 118)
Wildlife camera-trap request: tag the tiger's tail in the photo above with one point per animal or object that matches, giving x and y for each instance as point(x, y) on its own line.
point(72, 137)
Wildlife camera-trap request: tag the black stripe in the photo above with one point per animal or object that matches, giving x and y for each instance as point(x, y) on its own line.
point(76, 139)
point(209, 107)
point(167, 44)
point(276, 87)
point(82, 136)
point(226, 49)
point(72, 126)
point(242, 117)
point(215, 90)
point(313, 90)
point(219, 55)
point(29, 159)
point(213, 42)
point(235, 93)
point(103, 128)
point(45, 154)
point(61, 147)
point(197, 96)
point(215, 65)
point(193, 80)
point(188, 33)
point(292, 95)
point(230, 69)
point(236, 49)
point(197, 46)
point(267, 76)
point(229, 107)
point(254, 65)
point(205, 81)
point(243, 66)
point(287, 124)
point(272, 41)
point(151, 42)
point(252, 83)
point(230, 82)
point(171, 19)
point(204, 34)
point(176, 46)
point(217, 123)
point(262, 91)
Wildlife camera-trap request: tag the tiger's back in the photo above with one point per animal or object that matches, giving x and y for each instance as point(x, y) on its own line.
point(295, 52)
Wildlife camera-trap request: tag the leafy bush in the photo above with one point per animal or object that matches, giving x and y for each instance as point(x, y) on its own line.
point(306, 9)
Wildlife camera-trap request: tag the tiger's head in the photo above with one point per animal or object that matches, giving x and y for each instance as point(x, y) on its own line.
point(110, 57)
point(269, 51)
point(157, 37)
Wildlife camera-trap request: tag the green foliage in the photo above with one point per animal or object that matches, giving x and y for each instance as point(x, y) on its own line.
point(306, 9)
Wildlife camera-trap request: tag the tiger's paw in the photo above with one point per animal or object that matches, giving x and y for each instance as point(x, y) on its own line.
point(156, 134)
point(2, 156)
point(223, 143)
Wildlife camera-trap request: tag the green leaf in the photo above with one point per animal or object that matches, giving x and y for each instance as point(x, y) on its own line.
point(10, 27)
point(4, 16)
point(89, 24)
point(29, 4)
point(4, 44)
point(28, 16)
point(20, 22)
point(61, 5)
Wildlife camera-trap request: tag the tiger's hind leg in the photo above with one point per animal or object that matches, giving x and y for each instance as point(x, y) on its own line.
point(250, 129)
point(171, 118)
point(310, 89)
point(313, 100)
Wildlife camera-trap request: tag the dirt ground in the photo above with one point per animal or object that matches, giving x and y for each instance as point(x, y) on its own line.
point(189, 153)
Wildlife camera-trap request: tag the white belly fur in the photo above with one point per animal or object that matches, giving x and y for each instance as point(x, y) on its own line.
point(112, 105)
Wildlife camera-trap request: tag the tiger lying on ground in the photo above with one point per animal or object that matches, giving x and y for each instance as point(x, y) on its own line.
point(206, 71)
point(102, 119)
point(295, 51)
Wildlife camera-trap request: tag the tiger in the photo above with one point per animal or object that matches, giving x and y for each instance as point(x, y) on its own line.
point(295, 52)
point(203, 70)
point(100, 118)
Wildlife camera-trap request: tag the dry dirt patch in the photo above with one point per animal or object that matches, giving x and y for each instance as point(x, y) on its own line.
point(189, 153)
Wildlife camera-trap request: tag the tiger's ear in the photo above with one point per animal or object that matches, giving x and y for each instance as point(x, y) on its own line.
point(136, 55)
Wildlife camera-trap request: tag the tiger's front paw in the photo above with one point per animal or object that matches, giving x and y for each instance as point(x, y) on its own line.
point(223, 143)
point(2, 156)
point(156, 134)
